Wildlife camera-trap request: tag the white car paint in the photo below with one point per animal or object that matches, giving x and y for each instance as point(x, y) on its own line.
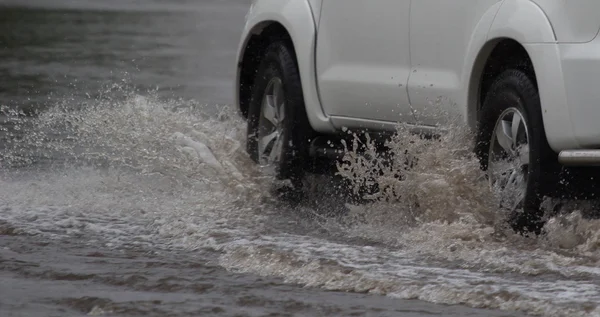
point(315, 6)
point(580, 70)
point(373, 63)
point(573, 21)
point(363, 59)
point(440, 35)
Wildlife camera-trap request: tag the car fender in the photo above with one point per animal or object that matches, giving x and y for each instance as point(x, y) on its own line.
point(553, 95)
point(524, 22)
point(519, 20)
point(477, 53)
point(297, 17)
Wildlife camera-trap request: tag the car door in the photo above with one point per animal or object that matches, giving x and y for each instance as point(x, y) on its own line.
point(440, 33)
point(363, 59)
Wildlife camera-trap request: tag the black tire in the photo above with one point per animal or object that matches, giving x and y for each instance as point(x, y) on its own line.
point(279, 61)
point(514, 89)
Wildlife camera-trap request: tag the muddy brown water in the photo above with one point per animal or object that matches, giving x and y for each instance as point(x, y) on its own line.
point(130, 194)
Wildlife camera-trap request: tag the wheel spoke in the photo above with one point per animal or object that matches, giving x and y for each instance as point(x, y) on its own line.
point(507, 166)
point(513, 180)
point(277, 93)
point(279, 100)
point(271, 129)
point(516, 124)
point(266, 140)
point(269, 110)
point(275, 151)
point(501, 168)
point(502, 136)
point(523, 155)
point(282, 112)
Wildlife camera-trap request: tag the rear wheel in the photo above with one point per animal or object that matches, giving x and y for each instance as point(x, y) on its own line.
point(512, 146)
point(278, 128)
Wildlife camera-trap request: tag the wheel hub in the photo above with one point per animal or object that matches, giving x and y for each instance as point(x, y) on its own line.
point(270, 125)
point(508, 160)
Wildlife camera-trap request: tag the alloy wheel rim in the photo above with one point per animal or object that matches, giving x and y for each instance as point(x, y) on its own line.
point(509, 158)
point(271, 124)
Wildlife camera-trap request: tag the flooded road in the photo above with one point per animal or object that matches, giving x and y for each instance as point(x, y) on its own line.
point(129, 193)
point(70, 279)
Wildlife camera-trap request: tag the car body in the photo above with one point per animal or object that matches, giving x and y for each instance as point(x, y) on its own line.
point(371, 64)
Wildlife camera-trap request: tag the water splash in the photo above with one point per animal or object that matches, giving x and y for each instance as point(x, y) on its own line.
point(432, 230)
point(130, 157)
point(127, 169)
point(424, 179)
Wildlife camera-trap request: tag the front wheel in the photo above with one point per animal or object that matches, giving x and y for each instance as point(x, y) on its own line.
point(512, 146)
point(278, 129)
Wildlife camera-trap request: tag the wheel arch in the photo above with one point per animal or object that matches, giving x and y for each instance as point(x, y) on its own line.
point(253, 50)
point(523, 23)
point(496, 56)
point(290, 20)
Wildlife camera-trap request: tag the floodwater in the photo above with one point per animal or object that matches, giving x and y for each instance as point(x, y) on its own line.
point(129, 193)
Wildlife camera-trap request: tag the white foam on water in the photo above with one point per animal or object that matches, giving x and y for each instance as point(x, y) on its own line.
point(165, 174)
